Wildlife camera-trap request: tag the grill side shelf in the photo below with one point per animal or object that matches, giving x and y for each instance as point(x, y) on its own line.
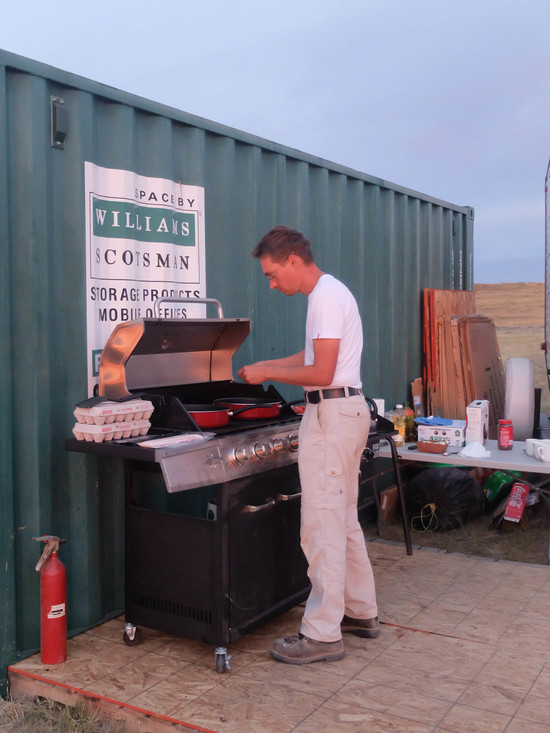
point(129, 449)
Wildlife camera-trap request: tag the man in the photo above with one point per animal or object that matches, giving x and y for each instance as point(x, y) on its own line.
point(333, 434)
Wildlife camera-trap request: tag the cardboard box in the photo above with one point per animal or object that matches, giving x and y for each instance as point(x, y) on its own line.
point(486, 379)
point(417, 391)
point(455, 433)
point(388, 504)
point(516, 502)
point(477, 421)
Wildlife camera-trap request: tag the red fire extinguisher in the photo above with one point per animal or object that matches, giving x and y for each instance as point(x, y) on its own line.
point(53, 602)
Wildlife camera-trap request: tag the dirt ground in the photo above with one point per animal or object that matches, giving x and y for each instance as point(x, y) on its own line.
point(518, 310)
point(526, 542)
point(512, 304)
point(487, 534)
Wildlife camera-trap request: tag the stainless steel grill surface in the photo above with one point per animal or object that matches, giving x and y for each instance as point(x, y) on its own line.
point(163, 361)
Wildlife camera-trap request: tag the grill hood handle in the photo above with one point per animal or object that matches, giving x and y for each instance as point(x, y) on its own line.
point(166, 299)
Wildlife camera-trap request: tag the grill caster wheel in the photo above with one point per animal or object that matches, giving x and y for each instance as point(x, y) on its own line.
point(132, 635)
point(222, 659)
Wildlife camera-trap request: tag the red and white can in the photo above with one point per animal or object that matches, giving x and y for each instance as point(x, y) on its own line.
point(516, 502)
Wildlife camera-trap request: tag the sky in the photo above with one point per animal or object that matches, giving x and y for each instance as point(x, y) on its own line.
point(448, 98)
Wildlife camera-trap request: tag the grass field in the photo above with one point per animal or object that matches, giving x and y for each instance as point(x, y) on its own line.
point(517, 310)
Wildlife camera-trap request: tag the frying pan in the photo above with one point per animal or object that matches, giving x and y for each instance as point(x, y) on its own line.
point(255, 407)
point(264, 408)
point(217, 416)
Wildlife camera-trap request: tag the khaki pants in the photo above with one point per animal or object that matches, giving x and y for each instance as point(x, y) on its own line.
point(333, 434)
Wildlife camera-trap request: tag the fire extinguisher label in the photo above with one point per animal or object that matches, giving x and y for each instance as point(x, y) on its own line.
point(57, 611)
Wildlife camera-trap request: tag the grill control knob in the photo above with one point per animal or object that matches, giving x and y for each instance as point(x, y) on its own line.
point(293, 442)
point(261, 450)
point(278, 446)
point(240, 455)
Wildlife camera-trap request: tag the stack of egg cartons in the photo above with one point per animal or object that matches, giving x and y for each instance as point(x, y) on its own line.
point(113, 420)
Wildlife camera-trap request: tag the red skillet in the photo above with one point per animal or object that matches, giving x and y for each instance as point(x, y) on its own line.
point(217, 416)
point(256, 408)
point(263, 408)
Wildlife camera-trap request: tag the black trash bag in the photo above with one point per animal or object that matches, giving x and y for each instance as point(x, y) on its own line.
point(443, 498)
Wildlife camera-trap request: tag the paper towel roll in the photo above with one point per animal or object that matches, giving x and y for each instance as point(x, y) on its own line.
point(520, 396)
point(379, 405)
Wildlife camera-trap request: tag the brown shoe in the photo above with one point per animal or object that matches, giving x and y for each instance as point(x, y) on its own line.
point(368, 628)
point(300, 649)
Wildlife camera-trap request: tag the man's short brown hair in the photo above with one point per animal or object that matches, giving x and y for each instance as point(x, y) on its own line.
point(281, 242)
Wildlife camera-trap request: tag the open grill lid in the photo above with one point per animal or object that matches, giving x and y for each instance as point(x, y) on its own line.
point(154, 352)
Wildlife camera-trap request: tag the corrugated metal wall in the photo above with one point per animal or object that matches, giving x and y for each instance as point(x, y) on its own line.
point(384, 241)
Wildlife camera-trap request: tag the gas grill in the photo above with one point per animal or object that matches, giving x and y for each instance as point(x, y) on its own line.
point(212, 535)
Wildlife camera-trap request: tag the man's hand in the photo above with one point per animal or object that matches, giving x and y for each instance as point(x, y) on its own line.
point(291, 369)
point(253, 373)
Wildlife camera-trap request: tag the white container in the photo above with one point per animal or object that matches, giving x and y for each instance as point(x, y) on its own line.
point(111, 431)
point(454, 433)
point(477, 421)
point(380, 405)
point(109, 412)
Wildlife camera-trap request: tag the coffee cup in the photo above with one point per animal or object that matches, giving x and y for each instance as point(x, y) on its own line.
point(543, 451)
point(531, 447)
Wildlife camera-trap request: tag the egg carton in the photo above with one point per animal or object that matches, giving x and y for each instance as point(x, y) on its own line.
point(111, 431)
point(114, 412)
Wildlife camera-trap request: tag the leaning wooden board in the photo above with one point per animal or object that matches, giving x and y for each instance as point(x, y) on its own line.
point(438, 306)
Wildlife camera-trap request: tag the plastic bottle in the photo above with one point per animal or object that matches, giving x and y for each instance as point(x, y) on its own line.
point(389, 415)
point(409, 424)
point(505, 435)
point(398, 420)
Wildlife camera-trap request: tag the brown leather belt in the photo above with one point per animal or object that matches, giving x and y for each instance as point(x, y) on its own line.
point(315, 396)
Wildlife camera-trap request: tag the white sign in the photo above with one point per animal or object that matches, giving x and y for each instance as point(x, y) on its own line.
point(144, 241)
point(57, 611)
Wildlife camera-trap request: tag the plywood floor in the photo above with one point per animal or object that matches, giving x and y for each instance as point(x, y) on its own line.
point(465, 646)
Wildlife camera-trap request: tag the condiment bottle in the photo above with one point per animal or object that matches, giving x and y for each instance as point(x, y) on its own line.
point(505, 435)
point(398, 420)
point(409, 424)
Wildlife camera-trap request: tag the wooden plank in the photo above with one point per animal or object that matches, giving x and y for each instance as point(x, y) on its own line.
point(449, 368)
point(466, 361)
point(428, 338)
point(145, 721)
point(440, 366)
point(454, 302)
point(446, 396)
point(458, 366)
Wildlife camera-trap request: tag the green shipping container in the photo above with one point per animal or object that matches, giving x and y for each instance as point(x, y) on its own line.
point(385, 241)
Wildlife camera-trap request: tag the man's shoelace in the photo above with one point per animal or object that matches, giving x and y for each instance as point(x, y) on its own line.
point(295, 638)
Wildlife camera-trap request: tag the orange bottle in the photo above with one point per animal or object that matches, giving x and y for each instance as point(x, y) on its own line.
point(409, 424)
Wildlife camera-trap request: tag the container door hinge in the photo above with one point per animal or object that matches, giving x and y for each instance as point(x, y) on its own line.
point(59, 122)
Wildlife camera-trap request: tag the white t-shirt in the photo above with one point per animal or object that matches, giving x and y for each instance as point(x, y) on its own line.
point(332, 313)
